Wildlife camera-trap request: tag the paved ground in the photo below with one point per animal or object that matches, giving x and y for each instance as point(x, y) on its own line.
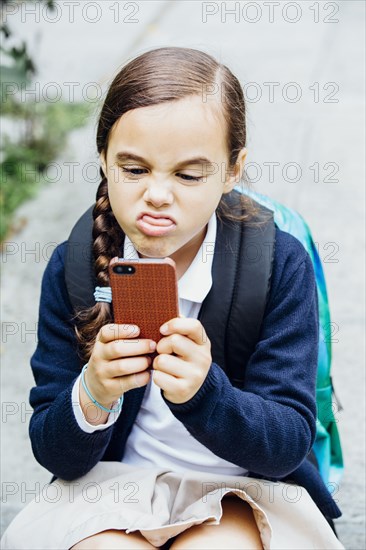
point(314, 59)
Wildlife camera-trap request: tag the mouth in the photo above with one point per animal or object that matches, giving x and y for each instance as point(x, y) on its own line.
point(155, 225)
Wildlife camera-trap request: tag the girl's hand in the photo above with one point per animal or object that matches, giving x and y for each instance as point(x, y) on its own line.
point(118, 362)
point(184, 359)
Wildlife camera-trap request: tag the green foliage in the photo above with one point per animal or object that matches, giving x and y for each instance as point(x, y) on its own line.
point(44, 127)
point(25, 161)
point(19, 182)
point(19, 66)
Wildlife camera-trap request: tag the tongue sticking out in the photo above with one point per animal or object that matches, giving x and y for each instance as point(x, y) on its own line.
point(157, 221)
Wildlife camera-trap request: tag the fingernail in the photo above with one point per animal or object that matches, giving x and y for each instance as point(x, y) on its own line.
point(164, 328)
point(152, 345)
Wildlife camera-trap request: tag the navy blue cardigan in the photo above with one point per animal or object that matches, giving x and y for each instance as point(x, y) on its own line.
point(268, 428)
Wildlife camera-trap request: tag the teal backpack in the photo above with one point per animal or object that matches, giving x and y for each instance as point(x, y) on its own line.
point(327, 446)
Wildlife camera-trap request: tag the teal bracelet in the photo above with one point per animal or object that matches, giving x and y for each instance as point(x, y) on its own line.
point(120, 400)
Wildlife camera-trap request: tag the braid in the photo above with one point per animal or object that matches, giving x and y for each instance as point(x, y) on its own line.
point(107, 238)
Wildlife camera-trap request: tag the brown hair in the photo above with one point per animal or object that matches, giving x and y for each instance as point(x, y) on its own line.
point(159, 75)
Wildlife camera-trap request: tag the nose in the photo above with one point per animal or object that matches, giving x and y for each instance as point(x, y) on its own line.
point(158, 193)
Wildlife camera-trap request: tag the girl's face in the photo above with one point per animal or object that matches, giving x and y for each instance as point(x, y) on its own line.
point(169, 160)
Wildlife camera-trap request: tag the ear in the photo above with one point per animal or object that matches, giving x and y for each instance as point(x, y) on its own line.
point(103, 163)
point(234, 175)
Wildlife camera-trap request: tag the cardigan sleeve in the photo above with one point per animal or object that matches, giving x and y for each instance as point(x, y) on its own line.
point(80, 417)
point(269, 425)
point(59, 444)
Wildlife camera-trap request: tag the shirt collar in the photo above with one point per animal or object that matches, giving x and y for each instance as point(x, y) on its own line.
point(196, 282)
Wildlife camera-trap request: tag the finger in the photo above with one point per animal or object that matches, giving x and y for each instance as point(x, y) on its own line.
point(186, 326)
point(165, 381)
point(133, 381)
point(178, 344)
point(114, 331)
point(126, 348)
point(173, 366)
point(125, 367)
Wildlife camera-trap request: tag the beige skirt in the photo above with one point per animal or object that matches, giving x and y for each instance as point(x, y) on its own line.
point(161, 504)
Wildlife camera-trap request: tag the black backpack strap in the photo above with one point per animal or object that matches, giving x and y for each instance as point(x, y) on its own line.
point(79, 265)
point(235, 305)
point(252, 285)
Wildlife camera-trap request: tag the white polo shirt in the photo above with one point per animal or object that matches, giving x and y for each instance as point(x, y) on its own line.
point(157, 437)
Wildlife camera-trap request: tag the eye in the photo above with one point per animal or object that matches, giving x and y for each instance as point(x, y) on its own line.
point(134, 171)
point(140, 171)
point(190, 178)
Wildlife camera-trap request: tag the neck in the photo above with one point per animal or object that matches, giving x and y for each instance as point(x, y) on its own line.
point(186, 254)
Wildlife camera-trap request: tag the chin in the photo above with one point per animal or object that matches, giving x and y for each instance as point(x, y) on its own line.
point(154, 250)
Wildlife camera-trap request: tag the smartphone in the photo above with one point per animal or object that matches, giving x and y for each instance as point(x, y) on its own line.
point(144, 293)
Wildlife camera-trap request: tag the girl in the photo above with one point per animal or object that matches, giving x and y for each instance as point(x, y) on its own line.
point(174, 456)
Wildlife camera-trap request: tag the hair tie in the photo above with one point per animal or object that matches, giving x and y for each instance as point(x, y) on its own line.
point(119, 403)
point(103, 294)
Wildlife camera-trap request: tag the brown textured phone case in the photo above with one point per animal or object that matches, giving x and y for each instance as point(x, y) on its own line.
point(148, 297)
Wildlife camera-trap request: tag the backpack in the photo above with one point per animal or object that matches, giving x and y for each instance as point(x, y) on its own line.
point(230, 317)
point(327, 446)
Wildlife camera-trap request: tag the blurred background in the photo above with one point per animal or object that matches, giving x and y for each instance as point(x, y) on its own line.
point(301, 65)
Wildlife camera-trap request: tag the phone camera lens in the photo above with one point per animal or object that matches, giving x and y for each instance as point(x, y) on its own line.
point(123, 269)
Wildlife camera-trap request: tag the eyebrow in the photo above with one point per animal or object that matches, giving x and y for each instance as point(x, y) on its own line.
point(125, 155)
